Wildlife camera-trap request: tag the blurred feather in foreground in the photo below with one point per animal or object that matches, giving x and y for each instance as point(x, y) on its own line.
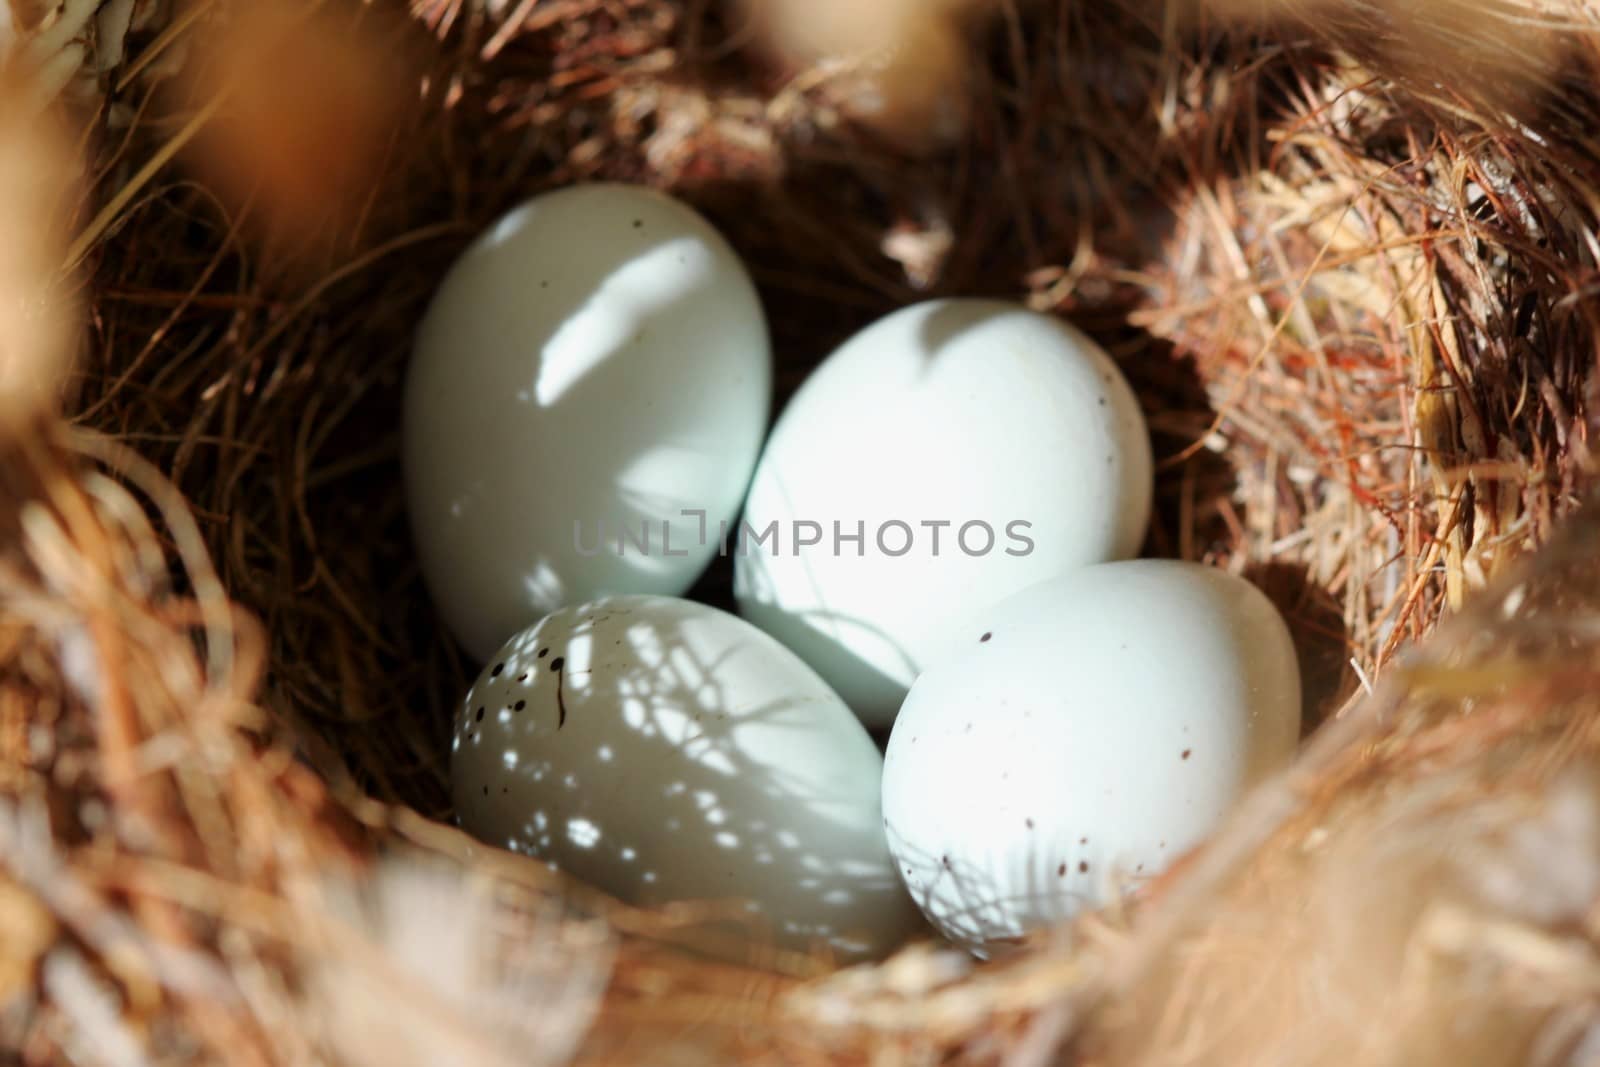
point(900, 67)
point(305, 100)
point(1484, 53)
point(441, 974)
point(38, 312)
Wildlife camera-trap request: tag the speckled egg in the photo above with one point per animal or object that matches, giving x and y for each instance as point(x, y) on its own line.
point(585, 402)
point(1081, 736)
point(947, 456)
point(665, 751)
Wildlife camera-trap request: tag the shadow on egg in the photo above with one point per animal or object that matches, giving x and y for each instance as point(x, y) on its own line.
point(653, 787)
point(1051, 883)
point(947, 321)
point(833, 638)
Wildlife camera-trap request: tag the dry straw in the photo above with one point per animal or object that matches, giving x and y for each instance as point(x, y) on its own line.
point(1346, 251)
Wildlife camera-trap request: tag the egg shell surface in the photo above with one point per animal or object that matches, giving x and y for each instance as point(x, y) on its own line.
point(593, 366)
point(1088, 732)
point(665, 751)
point(976, 414)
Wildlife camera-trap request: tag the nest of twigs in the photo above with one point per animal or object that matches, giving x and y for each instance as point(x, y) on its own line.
point(1346, 251)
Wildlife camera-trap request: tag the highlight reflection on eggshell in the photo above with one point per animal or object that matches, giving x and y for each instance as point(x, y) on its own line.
point(663, 751)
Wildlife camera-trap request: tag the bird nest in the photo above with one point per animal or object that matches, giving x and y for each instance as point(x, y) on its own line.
point(1345, 251)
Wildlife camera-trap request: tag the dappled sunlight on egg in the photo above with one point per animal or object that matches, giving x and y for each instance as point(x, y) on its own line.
point(1079, 738)
point(587, 396)
point(665, 751)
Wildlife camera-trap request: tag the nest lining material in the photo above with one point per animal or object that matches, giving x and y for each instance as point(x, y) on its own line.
point(1351, 288)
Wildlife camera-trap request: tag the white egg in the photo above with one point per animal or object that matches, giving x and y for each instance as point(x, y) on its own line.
point(1088, 732)
point(664, 751)
point(587, 397)
point(975, 448)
